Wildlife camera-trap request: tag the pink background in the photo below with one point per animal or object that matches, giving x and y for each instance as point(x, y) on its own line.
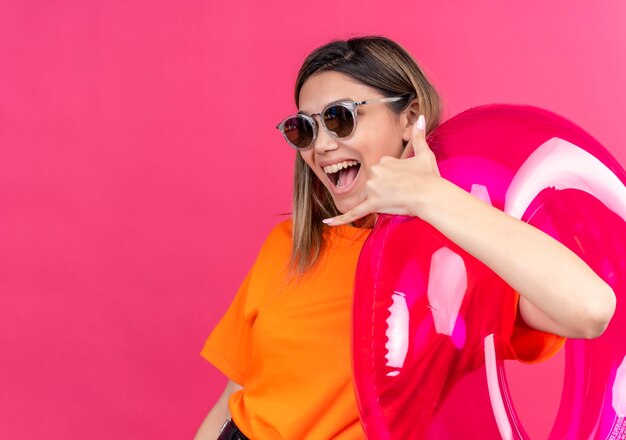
point(140, 170)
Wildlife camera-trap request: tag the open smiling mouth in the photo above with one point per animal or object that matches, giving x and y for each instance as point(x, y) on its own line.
point(343, 174)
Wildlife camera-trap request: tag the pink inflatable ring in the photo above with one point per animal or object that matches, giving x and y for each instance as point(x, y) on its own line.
point(432, 325)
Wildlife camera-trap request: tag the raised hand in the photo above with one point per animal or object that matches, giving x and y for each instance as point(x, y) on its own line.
point(398, 186)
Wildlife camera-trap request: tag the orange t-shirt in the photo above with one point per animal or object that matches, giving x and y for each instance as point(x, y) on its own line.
point(289, 343)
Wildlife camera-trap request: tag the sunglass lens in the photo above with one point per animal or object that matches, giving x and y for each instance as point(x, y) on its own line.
point(299, 132)
point(339, 120)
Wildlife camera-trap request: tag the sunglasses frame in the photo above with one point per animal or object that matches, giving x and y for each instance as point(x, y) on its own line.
point(350, 105)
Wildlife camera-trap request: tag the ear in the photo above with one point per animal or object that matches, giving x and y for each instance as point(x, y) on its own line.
point(408, 118)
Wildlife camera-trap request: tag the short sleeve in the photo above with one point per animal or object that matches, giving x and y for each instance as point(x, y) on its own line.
point(498, 311)
point(228, 345)
point(529, 345)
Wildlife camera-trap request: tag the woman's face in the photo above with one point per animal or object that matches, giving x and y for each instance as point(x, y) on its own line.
point(379, 132)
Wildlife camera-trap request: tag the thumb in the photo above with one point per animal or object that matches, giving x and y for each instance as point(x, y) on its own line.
point(418, 135)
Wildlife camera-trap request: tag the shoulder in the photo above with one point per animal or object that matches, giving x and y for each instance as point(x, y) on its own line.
point(272, 262)
point(282, 230)
point(279, 237)
point(277, 244)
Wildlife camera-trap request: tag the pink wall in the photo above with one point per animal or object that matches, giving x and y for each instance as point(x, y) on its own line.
point(140, 170)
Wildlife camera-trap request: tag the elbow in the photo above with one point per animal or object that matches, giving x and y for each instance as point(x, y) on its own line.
point(599, 313)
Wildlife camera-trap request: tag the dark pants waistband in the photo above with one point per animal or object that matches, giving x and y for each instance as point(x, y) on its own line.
point(231, 432)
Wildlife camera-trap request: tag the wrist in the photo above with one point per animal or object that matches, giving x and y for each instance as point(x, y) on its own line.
point(424, 202)
point(422, 195)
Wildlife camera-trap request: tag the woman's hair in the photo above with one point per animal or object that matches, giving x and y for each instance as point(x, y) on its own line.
point(376, 62)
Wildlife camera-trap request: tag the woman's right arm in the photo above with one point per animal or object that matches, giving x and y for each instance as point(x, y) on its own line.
point(210, 427)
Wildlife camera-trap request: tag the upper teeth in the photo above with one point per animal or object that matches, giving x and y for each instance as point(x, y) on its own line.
point(330, 169)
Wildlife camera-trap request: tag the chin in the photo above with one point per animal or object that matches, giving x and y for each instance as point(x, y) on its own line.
point(345, 205)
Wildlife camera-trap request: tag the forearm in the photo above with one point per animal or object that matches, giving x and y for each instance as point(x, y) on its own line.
point(545, 272)
point(210, 427)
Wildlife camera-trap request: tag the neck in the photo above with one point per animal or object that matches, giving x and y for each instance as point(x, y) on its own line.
point(365, 222)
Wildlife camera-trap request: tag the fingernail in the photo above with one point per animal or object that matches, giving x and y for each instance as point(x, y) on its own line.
point(328, 220)
point(421, 123)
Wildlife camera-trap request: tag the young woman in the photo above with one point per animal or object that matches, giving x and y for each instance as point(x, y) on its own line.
point(365, 107)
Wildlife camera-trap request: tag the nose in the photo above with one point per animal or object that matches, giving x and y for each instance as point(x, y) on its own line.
point(324, 141)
